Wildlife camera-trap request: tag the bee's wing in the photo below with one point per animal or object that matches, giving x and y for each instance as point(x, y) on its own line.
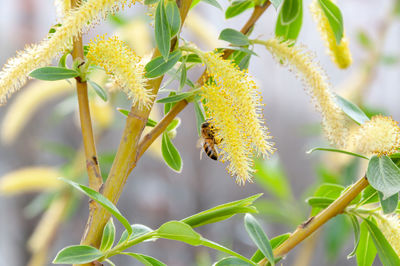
point(199, 144)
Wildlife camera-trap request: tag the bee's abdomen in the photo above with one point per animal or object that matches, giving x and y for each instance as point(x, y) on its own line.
point(210, 151)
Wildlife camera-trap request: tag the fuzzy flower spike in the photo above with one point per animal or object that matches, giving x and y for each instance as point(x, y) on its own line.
point(334, 120)
point(15, 72)
point(234, 105)
point(339, 52)
point(124, 65)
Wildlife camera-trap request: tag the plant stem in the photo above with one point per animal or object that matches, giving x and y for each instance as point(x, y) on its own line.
point(313, 223)
point(92, 165)
point(126, 155)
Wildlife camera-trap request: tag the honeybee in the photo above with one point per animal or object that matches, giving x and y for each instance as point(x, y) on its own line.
point(208, 140)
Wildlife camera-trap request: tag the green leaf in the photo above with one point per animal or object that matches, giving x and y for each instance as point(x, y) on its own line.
point(369, 195)
point(213, 3)
point(99, 90)
point(182, 80)
point(231, 261)
point(364, 39)
point(174, 17)
point(366, 250)
point(275, 242)
point(234, 37)
point(146, 260)
point(356, 227)
point(103, 201)
point(389, 205)
point(384, 175)
point(319, 202)
point(337, 150)
point(53, 73)
point(158, 66)
point(107, 240)
point(77, 254)
point(198, 111)
point(62, 62)
point(276, 3)
point(352, 110)
point(386, 253)
point(170, 154)
point(173, 125)
point(238, 7)
point(245, 62)
point(211, 244)
point(258, 236)
point(334, 16)
point(179, 231)
point(291, 9)
point(137, 231)
point(150, 122)
point(222, 212)
point(162, 31)
point(175, 98)
point(290, 19)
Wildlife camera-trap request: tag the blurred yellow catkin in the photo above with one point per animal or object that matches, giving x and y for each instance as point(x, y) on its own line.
point(390, 228)
point(27, 103)
point(340, 53)
point(30, 179)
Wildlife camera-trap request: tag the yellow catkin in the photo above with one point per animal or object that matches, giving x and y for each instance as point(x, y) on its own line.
point(124, 65)
point(334, 120)
point(340, 53)
point(62, 8)
point(390, 228)
point(379, 136)
point(234, 105)
point(245, 97)
point(24, 106)
point(14, 73)
point(137, 35)
point(234, 147)
point(30, 179)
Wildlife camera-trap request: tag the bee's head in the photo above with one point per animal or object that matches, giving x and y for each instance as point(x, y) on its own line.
point(205, 125)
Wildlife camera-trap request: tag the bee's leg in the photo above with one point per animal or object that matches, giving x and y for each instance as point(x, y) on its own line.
point(201, 154)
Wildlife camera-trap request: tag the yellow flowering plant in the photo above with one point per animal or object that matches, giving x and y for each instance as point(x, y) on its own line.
point(228, 105)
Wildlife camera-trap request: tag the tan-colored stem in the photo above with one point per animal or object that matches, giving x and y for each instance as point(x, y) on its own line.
point(313, 223)
point(92, 165)
point(126, 155)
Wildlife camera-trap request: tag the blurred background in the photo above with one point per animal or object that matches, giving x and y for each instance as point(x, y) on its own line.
point(154, 194)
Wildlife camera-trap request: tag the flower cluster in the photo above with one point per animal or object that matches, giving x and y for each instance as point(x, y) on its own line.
point(379, 136)
point(339, 53)
point(334, 120)
point(124, 65)
point(233, 104)
point(14, 74)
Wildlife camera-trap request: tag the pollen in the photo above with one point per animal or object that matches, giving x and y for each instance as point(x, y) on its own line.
point(340, 53)
point(123, 64)
point(379, 136)
point(334, 120)
point(233, 102)
point(15, 72)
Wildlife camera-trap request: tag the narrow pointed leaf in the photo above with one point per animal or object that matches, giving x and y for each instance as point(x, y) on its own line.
point(258, 236)
point(231, 261)
point(356, 227)
point(158, 66)
point(234, 37)
point(386, 253)
point(99, 90)
point(174, 18)
point(352, 110)
point(334, 16)
point(146, 260)
point(170, 154)
point(108, 237)
point(53, 73)
point(337, 150)
point(137, 231)
point(103, 201)
point(275, 242)
point(238, 7)
point(289, 30)
point(162, 30)
point(389, 205)
point(366, 251)
point(175, 98)
point(77, 254)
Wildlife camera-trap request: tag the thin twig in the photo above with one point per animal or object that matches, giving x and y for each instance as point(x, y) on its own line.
point(313, 223)
point(92, 165)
